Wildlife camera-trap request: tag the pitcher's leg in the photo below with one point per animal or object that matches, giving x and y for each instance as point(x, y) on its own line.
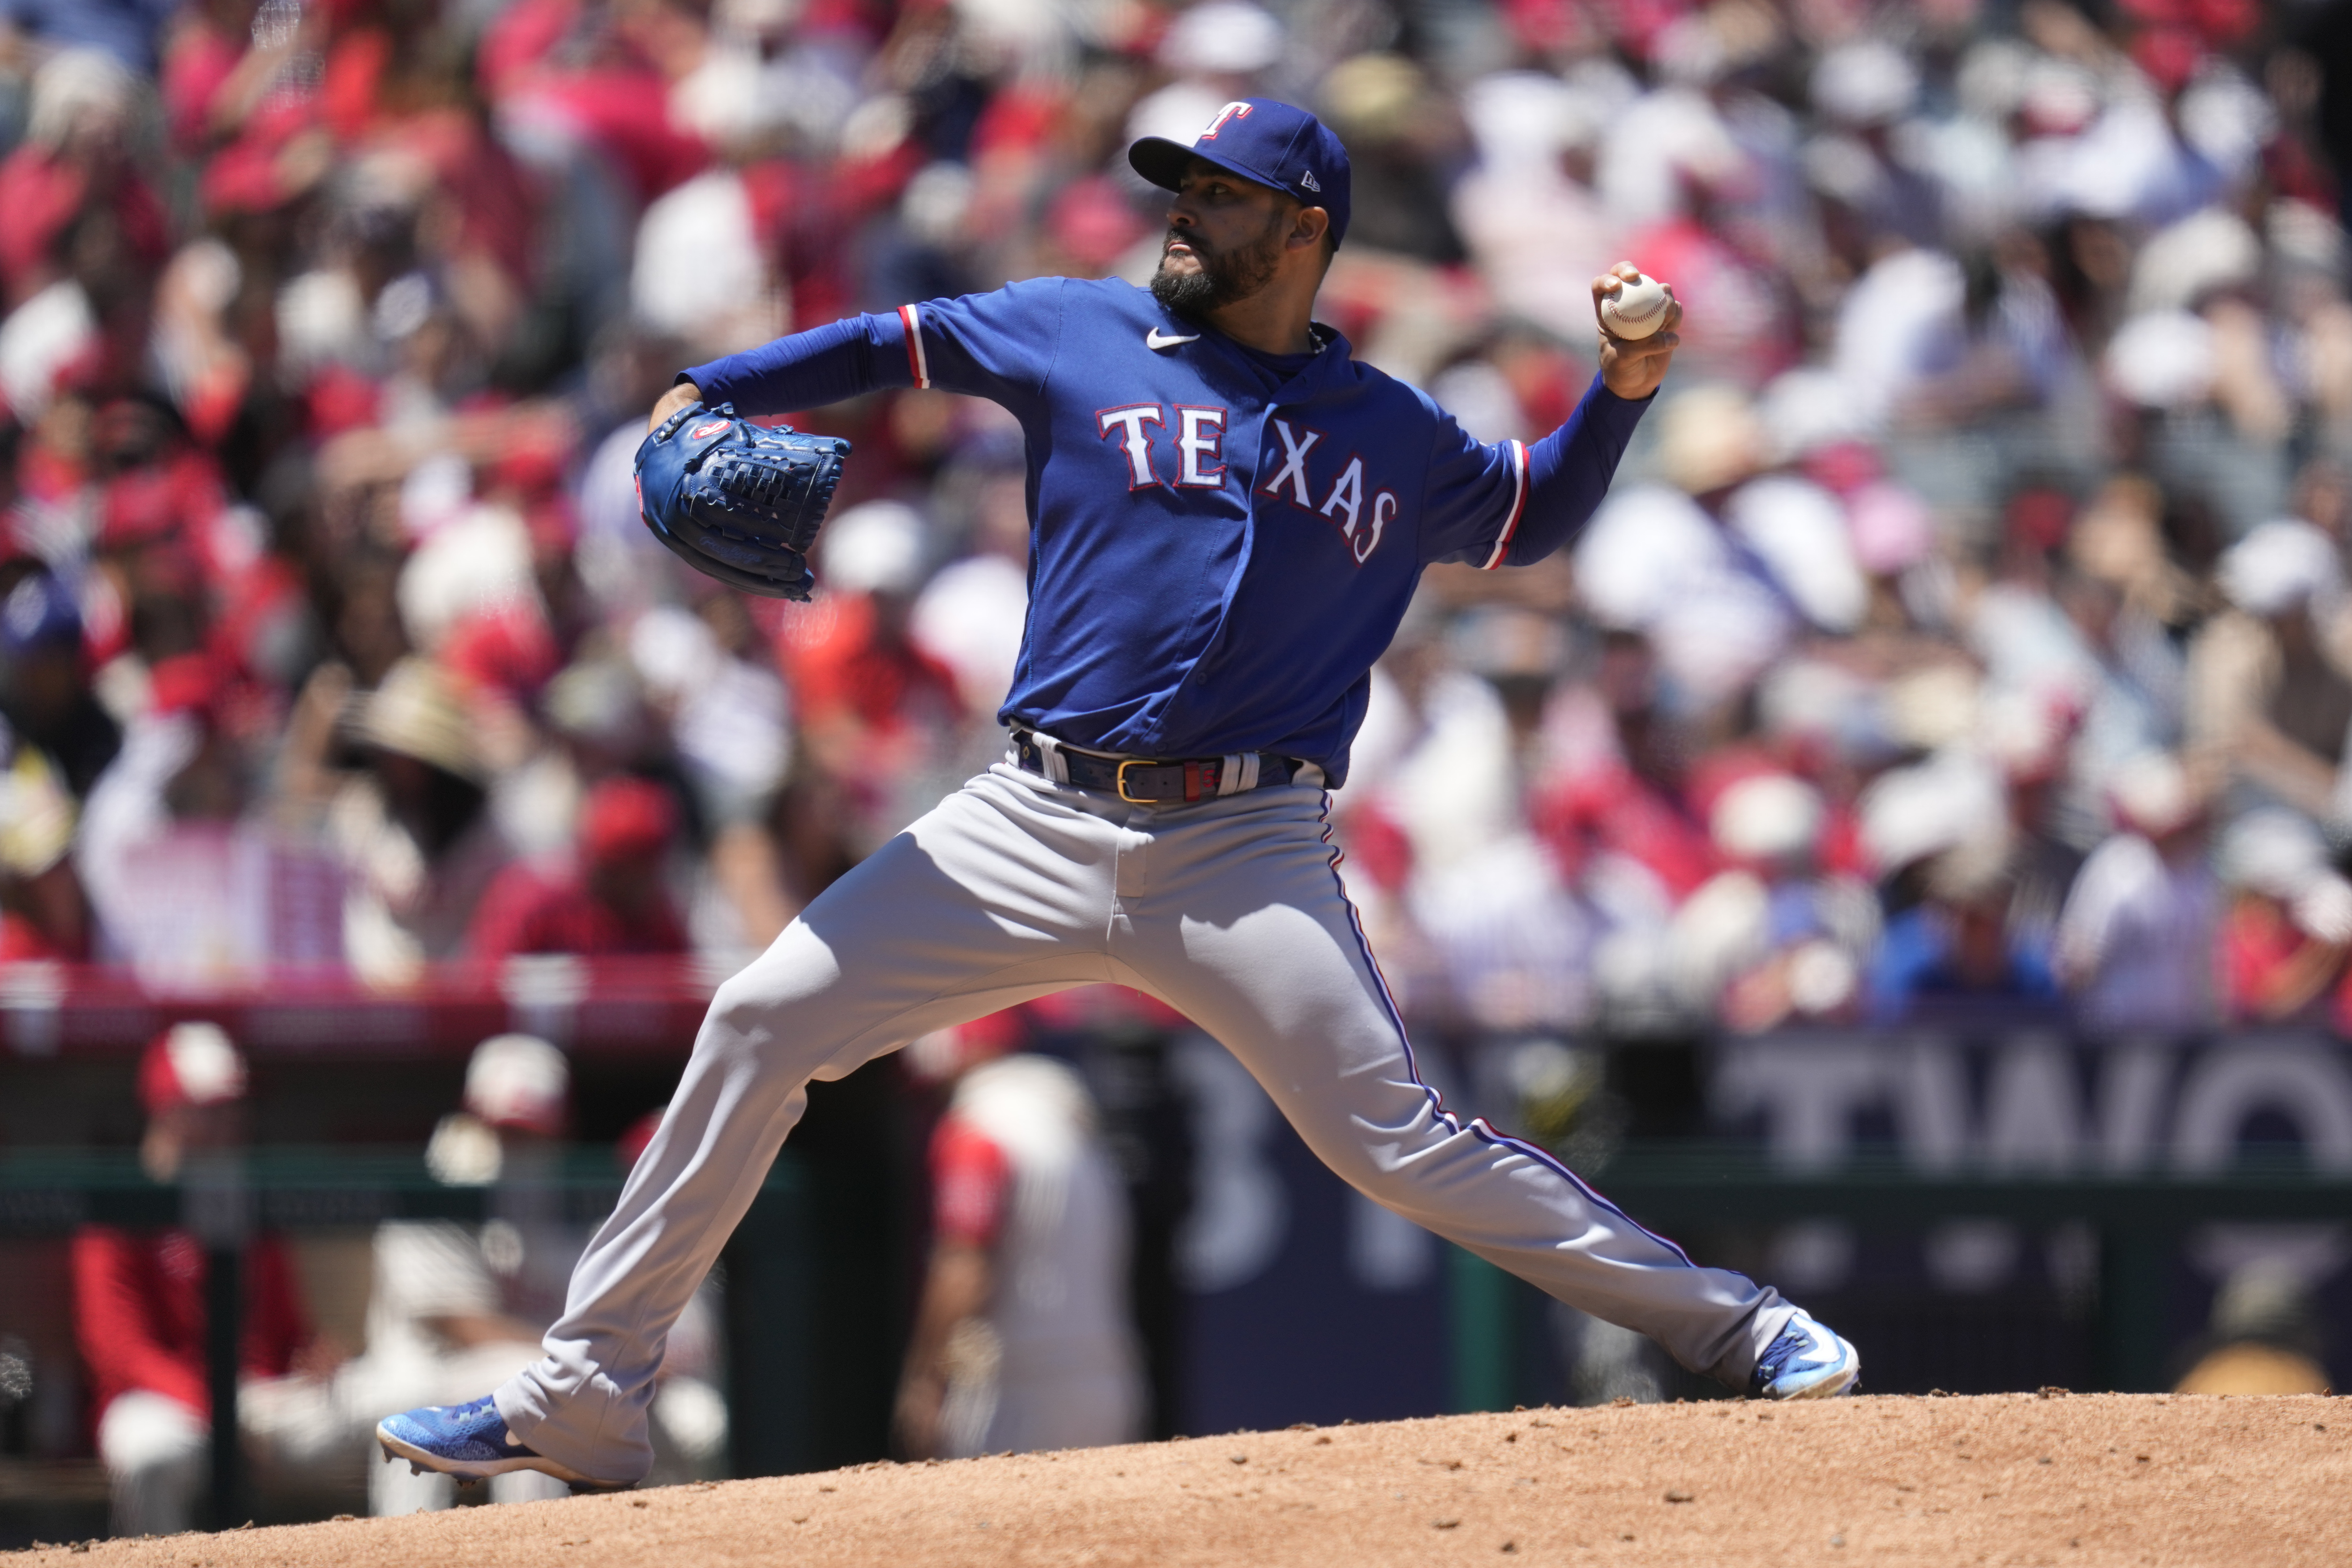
point(1246, 931)
point(990, 899)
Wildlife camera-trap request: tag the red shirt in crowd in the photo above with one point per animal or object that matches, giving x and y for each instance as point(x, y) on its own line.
point(840, 665)
point(538, 910)
point(43, 193)
point(971, 1185)
point(139, 1312)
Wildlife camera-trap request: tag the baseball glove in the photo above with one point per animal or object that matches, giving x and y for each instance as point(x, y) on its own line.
point(738, 500)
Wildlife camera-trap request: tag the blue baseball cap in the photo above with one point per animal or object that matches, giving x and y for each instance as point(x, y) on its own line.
point(1267, 143)
point(38, 612)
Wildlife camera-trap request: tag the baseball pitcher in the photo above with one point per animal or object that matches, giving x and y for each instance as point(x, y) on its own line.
point(1229, 515)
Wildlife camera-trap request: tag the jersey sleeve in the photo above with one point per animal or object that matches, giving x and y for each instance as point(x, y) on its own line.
point(971, 1185)
point(1000, 345)
point(1511, 503)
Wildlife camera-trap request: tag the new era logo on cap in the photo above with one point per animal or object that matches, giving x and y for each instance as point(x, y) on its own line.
point(1266, 141)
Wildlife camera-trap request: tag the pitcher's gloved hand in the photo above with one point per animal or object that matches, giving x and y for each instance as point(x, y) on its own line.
point(738, 501)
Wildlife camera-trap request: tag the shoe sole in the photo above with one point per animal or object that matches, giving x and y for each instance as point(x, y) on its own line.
point(466, 1472)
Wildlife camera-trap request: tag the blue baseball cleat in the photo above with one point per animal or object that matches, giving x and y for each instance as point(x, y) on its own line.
point(470, 1442)
point(1806, 1361)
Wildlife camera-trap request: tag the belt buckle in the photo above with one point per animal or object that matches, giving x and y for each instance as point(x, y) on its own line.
point(1120, 780)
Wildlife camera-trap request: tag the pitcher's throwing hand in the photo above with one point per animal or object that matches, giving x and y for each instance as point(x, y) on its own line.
point(1633, 368)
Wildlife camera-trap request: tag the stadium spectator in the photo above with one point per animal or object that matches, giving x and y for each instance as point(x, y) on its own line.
point(1023, 1338)
point(58, 741)
point(2136, 939)
point(1778, 937)
point(45, 689)
point(1958, 949)
point(2289, 919)
point(416, 828)
point(140, 1313)
point(2269, 696)
point(608, 897)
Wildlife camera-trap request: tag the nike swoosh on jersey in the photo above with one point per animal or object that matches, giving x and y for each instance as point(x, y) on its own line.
point(1152, 339)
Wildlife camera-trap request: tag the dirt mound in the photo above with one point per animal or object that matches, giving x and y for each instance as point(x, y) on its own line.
point(2014, 1479)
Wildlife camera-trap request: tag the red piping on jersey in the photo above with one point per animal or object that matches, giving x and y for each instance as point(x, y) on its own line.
point(1519, 505)
point(919, 365)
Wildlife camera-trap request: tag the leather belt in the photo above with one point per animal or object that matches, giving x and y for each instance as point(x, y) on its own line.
point(1141, 781)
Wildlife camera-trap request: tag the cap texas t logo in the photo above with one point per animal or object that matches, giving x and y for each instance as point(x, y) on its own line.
point(1229, 111)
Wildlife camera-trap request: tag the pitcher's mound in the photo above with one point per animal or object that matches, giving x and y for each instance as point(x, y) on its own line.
point(2014, 1478)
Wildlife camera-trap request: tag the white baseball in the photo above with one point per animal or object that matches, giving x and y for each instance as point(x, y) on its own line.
point(1637, 308)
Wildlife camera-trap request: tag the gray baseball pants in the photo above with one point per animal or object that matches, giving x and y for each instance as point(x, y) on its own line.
point(1231, 910)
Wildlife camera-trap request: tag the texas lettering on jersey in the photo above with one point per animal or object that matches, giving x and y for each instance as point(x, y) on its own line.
point(1200, 439)
point(1200, 436)
point(1221, 543)
point(1362, 527)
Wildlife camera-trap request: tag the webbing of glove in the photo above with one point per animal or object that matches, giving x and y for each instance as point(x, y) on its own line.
point(738, 501)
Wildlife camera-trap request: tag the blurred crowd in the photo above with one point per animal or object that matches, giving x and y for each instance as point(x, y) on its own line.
point(449, 1308)
point(1969, 628)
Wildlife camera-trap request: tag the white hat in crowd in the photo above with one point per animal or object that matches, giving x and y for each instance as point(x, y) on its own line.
point(1710, 437)
point(519, 1081)
point(1770, 816)
point(1868, 82)
point(2206, 251)
point(191, 1064)
point(878, 547)
point(1910, 814)
point(74, 88)
point(2162, 359)
point(2152, 793)
point(1224, 37)
point(2280, 565)
point(2272, 850)
point(2280, 854)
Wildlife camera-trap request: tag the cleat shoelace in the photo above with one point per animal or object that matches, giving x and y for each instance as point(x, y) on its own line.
point(1791, 1345)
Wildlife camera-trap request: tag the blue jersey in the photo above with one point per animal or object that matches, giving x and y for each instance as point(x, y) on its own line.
point(1221, 542)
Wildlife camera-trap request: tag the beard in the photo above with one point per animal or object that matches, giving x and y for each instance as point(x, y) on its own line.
point(1223, 276)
